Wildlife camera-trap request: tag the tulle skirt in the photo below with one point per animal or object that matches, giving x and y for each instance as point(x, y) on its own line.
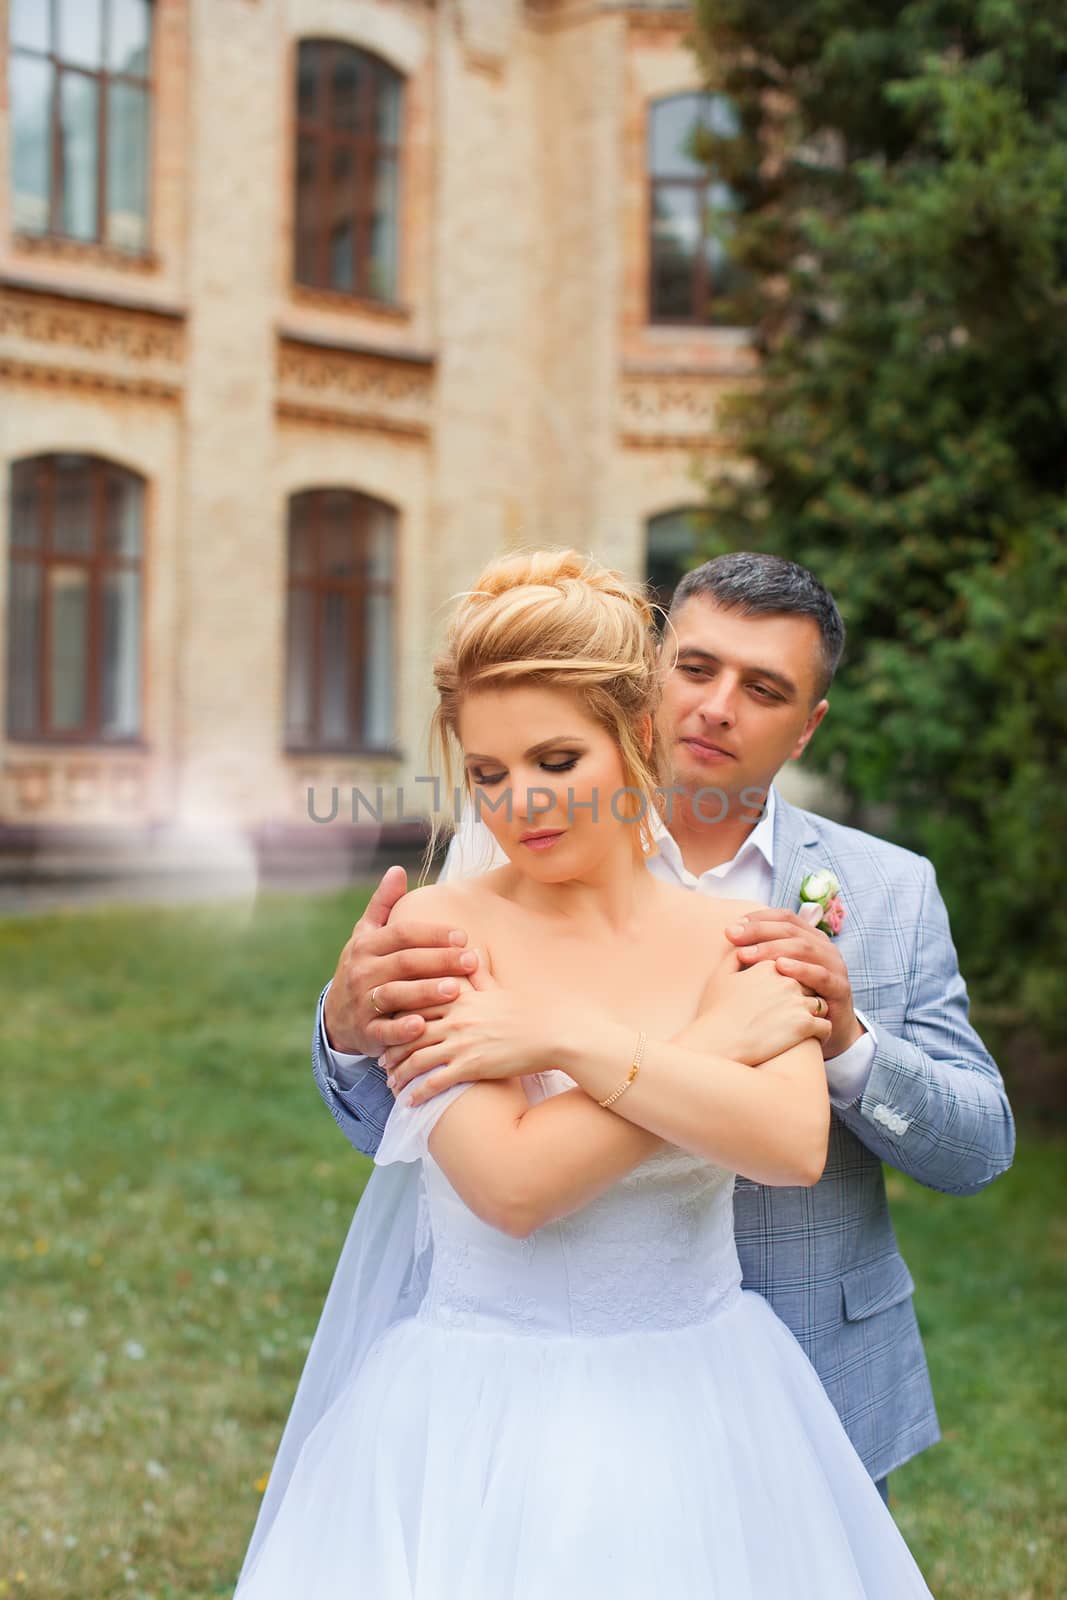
point(698, 1463)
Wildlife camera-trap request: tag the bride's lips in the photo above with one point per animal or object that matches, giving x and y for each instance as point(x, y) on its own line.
point(543, 840)
point(706, 751)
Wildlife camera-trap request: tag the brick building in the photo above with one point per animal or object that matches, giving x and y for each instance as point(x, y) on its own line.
point(307, 308)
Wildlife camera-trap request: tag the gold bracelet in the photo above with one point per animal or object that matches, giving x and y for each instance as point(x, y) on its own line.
point(611, 1099)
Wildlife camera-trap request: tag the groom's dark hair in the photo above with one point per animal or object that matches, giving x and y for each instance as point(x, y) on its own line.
point(760, 585)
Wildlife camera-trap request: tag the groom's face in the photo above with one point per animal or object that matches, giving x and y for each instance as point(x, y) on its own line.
point(743, 697)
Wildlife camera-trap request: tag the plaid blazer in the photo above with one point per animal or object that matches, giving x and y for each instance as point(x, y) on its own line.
point(934, 1107)
point(826, 1257)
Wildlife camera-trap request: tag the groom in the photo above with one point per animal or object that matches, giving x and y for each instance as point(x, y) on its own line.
point(910, 1082)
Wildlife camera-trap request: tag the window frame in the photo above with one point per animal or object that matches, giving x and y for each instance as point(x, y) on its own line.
point(98, 563)
point(700, 293)
point(670, 515)
point(363, 507)
point(366, 149)
point(102, 76)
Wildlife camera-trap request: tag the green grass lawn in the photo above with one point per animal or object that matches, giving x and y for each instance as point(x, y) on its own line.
point(174, 1197)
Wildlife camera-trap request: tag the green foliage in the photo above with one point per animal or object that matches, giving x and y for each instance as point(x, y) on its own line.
point(903, 174)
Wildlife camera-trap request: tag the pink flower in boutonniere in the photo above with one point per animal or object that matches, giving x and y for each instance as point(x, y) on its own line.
point(820, 902)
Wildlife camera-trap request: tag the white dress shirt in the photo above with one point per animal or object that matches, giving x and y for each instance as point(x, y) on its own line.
point(748, 875)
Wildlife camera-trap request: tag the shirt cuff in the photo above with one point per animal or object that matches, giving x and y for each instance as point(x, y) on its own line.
point(847, 1074)
point(345, 1071)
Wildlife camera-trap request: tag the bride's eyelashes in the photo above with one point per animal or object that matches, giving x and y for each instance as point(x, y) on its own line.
point(487, 780)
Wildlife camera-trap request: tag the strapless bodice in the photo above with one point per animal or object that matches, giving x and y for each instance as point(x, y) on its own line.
point(655, 1251)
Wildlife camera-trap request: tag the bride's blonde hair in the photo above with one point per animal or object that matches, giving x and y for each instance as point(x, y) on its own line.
point(560, 620)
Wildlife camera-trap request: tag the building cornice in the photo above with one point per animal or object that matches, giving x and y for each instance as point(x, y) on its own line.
point(353, 347)
point(79, 295)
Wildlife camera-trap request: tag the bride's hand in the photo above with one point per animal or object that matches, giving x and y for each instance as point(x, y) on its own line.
point(487, 1032)
point(753, 1014)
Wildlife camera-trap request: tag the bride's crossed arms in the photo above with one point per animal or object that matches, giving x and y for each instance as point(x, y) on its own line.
point(519, 1165)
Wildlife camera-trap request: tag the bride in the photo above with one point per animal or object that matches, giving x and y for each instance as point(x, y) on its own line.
point(575, 1398)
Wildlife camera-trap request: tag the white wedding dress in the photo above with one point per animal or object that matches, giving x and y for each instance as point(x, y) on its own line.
point(596, 1411)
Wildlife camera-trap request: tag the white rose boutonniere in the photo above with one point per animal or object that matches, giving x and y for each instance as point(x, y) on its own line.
point(820, 902)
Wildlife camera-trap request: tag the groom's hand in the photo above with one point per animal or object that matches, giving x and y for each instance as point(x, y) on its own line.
point(410, 971)
point(800, 951)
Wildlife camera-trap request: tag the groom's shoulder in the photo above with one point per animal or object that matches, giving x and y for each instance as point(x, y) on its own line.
point(846, 846)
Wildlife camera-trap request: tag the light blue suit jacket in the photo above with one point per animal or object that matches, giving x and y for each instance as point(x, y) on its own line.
point(826, 1257)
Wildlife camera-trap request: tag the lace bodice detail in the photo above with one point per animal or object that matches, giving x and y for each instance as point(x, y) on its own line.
point(656, 1251)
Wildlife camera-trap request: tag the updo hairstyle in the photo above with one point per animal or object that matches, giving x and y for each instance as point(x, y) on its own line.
point(559, 620)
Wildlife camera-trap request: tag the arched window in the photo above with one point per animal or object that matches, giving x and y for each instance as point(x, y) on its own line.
point(74, 600)
point(80, 103)
point(348, 107)
point(672, 547)
point(339, 656)
point(691, 211)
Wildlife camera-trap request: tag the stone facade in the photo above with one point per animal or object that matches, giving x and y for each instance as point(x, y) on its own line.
point(514, 392)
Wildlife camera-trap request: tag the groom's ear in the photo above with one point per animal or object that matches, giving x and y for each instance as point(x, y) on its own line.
point(818, 711)
point(645, 734)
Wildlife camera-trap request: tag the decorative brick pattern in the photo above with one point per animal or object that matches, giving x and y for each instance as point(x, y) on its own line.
point(354, 388)
point(107, 345)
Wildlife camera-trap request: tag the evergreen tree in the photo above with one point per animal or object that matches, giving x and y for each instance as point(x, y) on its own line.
point(902, 177)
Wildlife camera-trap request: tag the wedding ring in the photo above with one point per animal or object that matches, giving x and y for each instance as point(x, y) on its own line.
point(374, 1002)
point(821, 1008)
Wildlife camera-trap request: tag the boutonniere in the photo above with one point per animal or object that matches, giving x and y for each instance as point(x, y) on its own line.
point(820, 902)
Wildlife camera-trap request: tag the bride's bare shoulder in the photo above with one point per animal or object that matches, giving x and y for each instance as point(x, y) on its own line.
point(705, 914)
point(730, 910)
point(459, 903)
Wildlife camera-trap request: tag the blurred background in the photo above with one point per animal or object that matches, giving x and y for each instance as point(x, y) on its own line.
point(307, 309)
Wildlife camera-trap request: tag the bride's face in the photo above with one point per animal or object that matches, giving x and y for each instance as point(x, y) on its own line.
point(538, 765)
